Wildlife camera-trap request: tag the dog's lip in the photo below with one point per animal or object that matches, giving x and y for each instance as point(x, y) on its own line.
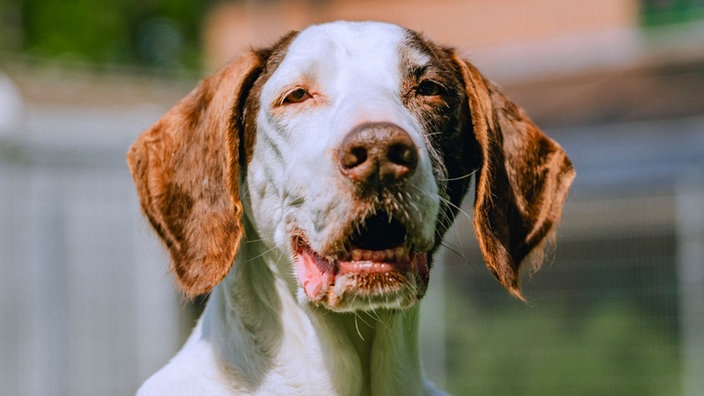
point(317, 273)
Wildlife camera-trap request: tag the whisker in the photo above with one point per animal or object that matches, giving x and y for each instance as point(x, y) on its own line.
point(457, 207)
point(356, 326)
point(262, 254)
point(465, 176)
point(358, 315)
point(246, 241)
point(457, 252)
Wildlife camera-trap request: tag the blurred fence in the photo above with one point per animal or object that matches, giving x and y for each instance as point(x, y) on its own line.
point(87, 307)
point(618, 309)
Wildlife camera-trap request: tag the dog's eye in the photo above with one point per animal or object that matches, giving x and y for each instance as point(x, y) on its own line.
point(429, 88)
point(298, 95)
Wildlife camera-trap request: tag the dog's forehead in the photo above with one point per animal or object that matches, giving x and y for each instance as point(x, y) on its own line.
point(349, 40)
point(371, 52)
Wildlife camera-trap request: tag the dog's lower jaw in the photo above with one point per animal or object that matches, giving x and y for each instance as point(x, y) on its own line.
point(347, 353)
point(362, 285)
point(379, 272)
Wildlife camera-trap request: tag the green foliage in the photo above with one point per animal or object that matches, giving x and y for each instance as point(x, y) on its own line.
point(157, 33)
point(664, 12)
point(608, 350)
point(79, 27)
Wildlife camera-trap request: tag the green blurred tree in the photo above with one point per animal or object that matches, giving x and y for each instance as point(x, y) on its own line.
point(610, 349)
point(163, 33)
point(664, 12)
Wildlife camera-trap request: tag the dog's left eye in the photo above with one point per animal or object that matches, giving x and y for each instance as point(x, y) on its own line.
point(429, 88)
point(298, 95)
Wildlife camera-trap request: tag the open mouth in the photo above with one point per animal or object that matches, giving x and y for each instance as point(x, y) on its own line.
point(378, 262)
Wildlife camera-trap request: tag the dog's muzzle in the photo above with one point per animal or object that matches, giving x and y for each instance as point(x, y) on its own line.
point(378, 262)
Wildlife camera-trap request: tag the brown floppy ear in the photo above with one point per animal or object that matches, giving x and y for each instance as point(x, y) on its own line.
point(522, 182)
point(185, 168)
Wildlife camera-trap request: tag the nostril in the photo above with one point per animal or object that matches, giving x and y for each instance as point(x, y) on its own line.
point(403, 154)
point(353, 157)
point(401, 160)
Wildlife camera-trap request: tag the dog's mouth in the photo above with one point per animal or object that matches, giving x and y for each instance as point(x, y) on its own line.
point(377, 267)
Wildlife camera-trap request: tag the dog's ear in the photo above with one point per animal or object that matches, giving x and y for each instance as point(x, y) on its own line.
point(522, 180)
point(185, 168)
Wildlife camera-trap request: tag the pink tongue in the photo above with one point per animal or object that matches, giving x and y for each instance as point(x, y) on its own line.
point(316, 274)
point(314, 280)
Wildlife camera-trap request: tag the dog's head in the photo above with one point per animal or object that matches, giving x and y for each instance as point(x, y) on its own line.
point(351, 146)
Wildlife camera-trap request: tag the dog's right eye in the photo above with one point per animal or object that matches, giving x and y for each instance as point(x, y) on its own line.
point(429, 88)
point(298, 95)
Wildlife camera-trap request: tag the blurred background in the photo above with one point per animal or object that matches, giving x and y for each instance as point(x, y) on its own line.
point(87, 306)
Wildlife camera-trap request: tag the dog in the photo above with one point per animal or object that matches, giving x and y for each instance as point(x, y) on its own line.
point(306, 186)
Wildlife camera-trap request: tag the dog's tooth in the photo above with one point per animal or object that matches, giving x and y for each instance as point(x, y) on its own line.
point(357, 254)
point(400, 253)
point(390, 254)
point(364, 255)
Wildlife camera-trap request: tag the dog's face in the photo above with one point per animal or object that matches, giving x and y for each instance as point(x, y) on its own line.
point(357, 142)
point(347, 169)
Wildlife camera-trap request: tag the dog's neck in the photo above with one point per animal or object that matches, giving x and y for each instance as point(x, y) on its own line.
point(254, 320)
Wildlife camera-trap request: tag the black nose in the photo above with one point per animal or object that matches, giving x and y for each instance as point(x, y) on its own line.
point(377, 154)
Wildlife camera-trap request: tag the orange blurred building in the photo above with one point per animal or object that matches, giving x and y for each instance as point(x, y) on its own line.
point(511, 37)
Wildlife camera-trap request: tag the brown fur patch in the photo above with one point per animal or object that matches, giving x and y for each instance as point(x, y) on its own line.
point(522, 183)
point(445, 120)
point(181, 166)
